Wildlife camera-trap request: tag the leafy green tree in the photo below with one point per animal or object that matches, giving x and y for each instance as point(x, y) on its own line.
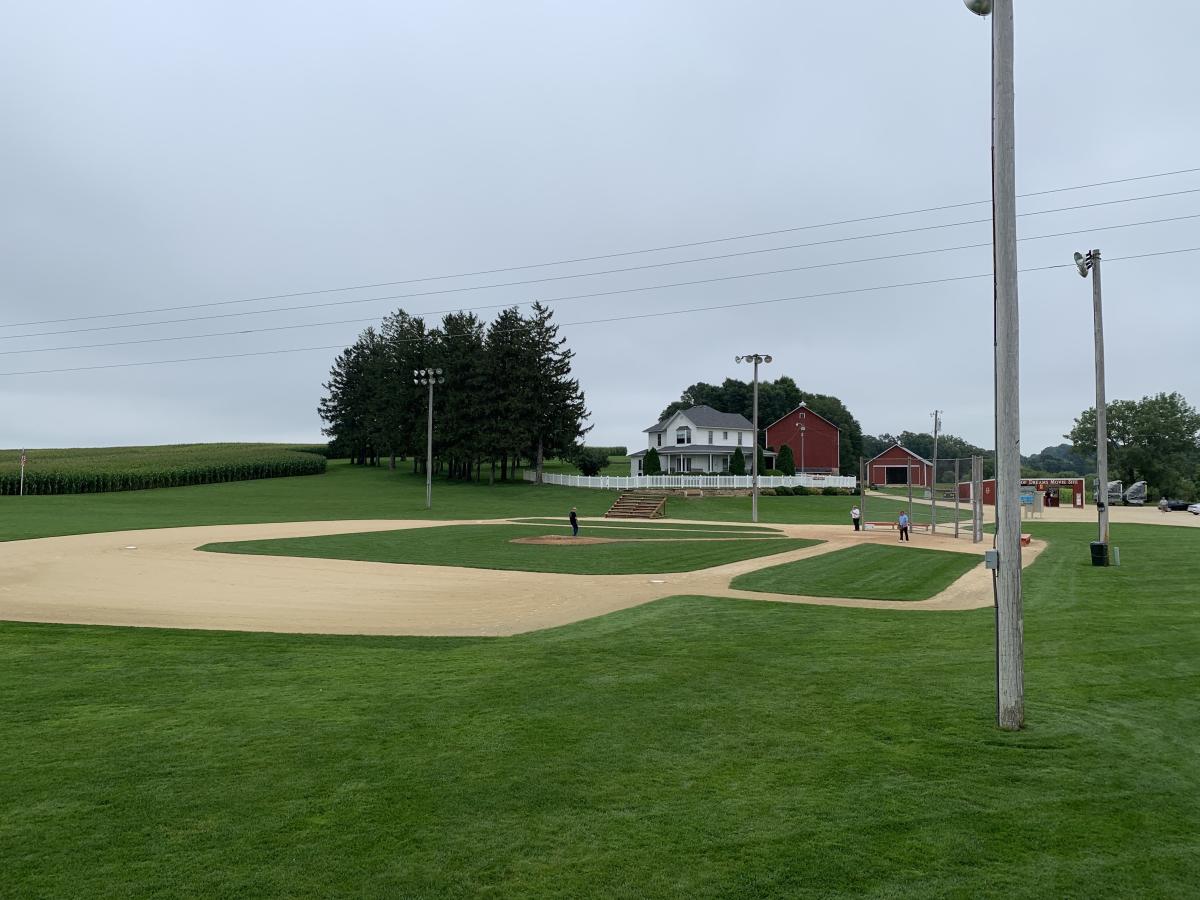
point(558, 410)
point(651, 464)
point(1060, 459)
point(762, 463)
point(775, 400)
point(509, 359)
point(737, 462)
point(461, 403)
point(407, 348)
point(589, 460)
point(355, 407)
point(1156, 439)
point(786, 462)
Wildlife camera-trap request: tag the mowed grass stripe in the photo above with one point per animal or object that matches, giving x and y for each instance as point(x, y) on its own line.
point(869, 572)
point(491, 547)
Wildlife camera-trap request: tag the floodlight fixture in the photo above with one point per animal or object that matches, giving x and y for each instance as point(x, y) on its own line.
point(979, 7)
point(1083, 263)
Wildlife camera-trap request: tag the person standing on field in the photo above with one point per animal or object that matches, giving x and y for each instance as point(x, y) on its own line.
point(903, 523)
point(856, 517)
point(574, 523)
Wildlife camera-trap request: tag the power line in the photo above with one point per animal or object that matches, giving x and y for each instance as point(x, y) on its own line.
point(554, 278)
point(624, 318)
point(569, 297)
point(619, 254)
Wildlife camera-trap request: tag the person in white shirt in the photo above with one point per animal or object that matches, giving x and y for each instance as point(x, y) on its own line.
point(856, 517)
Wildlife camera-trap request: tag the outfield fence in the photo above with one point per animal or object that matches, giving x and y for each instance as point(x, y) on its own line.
point(712, 482)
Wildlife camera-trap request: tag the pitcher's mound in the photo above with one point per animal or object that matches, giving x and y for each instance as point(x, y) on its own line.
point(562, 540)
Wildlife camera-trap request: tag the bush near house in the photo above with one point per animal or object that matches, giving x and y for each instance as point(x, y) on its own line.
point(590, 460)
point(786, 461)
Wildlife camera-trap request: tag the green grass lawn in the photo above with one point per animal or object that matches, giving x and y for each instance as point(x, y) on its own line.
point(870, 571)
point(343, 492)
point(688, 748)
point(491, 547)
point(357, 492)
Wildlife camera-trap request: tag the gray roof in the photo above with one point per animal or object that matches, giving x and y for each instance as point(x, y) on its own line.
point(706, 417)
point(698, 450)
point(901, 447)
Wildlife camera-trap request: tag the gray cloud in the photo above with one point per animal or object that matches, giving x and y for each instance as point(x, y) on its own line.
point(161, 155)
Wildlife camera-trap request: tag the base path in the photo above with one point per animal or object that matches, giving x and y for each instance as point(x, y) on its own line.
point(157, 578)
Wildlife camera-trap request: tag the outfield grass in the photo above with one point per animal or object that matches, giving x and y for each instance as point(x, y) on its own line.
point(693, 747)
point(358, 492)
point(869, 571)
point(491, 547)
point(344, 492)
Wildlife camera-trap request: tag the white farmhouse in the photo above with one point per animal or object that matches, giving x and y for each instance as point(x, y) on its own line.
point(699, 439)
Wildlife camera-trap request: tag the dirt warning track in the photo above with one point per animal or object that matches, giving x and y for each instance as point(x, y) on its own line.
point(157, 578)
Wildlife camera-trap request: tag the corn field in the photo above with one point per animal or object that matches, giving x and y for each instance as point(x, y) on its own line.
point(97, 470)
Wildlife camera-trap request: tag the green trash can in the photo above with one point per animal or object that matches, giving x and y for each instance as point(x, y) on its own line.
point(1099, 553)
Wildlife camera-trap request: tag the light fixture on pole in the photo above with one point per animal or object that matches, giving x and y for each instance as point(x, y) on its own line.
point(1085, 263)
point(1010, 646)
point(755, 358)
point(803, 428)
point(429, 377)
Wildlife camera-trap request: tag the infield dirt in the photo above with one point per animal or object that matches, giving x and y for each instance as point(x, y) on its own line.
point(157, 578)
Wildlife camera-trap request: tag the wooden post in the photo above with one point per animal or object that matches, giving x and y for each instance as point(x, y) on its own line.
point(1010, 662)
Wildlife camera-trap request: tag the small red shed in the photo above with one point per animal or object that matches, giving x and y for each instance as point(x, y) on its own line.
point(815, 441)
point(897, 465)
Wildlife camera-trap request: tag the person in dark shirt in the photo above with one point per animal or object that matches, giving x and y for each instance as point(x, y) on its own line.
point(574, 523)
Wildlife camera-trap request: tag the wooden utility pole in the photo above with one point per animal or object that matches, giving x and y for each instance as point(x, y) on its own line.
point(755, 358)
point(1010, 652)
point(1101, 404)
point(862, 491)
point(956, 498)
point(933, 487)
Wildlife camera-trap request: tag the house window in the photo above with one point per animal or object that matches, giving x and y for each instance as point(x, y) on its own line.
point(710, 437)
point(659, 436)
point(683, 435)
point(724, 435)
point(739, 439)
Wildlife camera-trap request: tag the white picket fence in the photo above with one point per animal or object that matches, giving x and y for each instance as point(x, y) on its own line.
point(712, 482)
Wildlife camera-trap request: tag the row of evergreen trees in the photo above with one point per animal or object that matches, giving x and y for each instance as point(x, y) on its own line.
point(508, 393)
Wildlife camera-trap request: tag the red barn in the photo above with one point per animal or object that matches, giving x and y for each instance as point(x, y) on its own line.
point(896, 465)
point(815, 441)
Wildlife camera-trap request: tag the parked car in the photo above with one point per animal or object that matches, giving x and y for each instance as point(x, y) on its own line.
point(1176, 505)
point(1194, 509)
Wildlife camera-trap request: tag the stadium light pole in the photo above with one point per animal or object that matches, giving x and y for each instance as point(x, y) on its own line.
point(1092, 262)
point(1010, 649)
point(429, 377)
point(755, 358)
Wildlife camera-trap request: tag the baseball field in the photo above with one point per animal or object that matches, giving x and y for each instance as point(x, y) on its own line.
point(312, 687)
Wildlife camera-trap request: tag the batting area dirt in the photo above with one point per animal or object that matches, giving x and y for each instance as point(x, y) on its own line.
point(157, 578)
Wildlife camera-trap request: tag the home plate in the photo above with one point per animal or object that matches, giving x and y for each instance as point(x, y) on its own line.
point(658, 581)
point(131, 547)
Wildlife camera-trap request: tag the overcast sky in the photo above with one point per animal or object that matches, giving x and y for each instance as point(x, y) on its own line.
point(169, 154)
